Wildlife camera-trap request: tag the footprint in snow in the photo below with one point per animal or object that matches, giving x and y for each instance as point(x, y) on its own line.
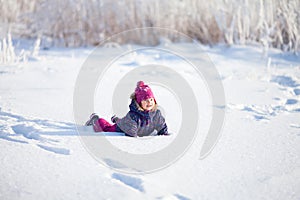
point(173, 197)
point(285, 81)
point(55, 149)
point(296, 110)
point(30, 132)
point(259, 117)
point(8, 137)
point(297, 91)
point(291, 101)
point(34, 131)
point(135, 183)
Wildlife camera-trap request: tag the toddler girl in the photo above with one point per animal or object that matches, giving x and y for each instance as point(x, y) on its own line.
point(142, 119)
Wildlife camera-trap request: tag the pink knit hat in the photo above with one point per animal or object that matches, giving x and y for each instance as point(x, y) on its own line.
point(143, 92)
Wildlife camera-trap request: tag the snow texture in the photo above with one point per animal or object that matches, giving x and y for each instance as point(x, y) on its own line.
point(257, 156)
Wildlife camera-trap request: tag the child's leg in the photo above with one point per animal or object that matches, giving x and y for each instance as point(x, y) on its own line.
point(101, 125)
point(111, 128)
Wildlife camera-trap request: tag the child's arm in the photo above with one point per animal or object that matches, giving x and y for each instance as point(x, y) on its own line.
point(164, 130)
point(128, 125)
point(161, 126)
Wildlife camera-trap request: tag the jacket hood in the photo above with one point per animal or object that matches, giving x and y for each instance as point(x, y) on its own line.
point(138, 113)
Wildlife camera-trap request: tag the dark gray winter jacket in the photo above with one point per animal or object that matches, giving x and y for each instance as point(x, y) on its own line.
point(138, 122)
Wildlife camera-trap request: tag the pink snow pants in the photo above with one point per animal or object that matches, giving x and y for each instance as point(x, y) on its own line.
point(101, 125)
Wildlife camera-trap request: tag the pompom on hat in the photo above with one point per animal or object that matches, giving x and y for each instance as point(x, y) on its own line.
point(143, 92)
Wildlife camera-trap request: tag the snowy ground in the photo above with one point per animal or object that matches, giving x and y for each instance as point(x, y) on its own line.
point(257, 156)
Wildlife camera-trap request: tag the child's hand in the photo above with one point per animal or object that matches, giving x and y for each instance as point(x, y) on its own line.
point(164, 133)
point(164, 130)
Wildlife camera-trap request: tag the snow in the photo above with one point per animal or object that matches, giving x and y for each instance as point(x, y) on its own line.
point(256, 157)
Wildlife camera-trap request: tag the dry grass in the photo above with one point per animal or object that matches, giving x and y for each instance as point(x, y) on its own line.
point(272, 23)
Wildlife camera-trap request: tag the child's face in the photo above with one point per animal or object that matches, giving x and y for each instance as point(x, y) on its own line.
point(148, 104)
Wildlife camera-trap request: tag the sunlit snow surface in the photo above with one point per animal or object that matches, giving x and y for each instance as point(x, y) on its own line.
point(257, 156)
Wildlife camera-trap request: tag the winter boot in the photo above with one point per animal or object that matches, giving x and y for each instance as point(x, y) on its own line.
point(92, 120)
